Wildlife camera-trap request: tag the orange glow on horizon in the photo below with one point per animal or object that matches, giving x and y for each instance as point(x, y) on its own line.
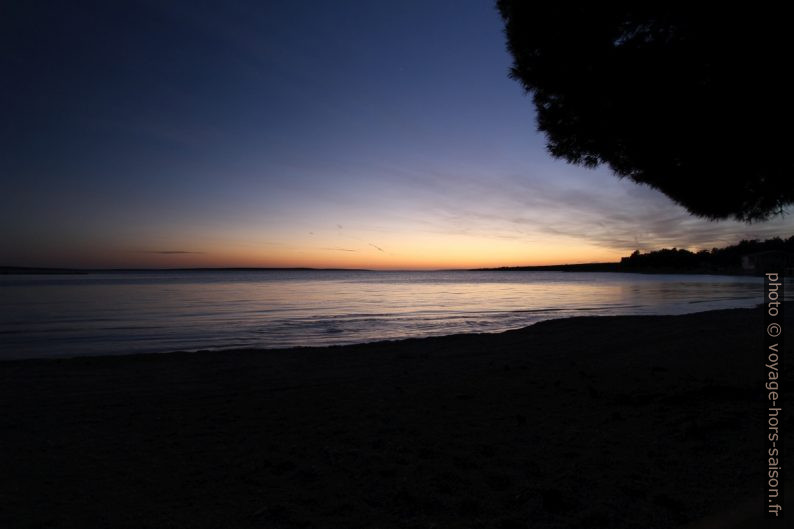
point(428, 252)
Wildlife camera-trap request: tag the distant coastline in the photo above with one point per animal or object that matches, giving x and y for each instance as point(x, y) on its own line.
point(30, 270)
point(619, 268)
point(746, 258)
point(578, 267)
point(581, 267)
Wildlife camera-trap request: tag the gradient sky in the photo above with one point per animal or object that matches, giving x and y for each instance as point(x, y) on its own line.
point(295, 133)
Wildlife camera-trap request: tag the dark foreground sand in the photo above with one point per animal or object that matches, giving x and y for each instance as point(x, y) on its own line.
point(588, 422)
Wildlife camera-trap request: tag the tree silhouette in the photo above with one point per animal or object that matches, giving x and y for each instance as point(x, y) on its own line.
point(695, 102)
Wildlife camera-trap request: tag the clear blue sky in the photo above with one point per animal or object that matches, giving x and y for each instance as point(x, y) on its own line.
point(292, 133)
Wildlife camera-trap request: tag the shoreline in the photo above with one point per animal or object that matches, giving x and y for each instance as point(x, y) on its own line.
point(373, 343)
point(588, 421)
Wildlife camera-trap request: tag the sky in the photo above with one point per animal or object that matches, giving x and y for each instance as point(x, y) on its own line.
point(352, 134)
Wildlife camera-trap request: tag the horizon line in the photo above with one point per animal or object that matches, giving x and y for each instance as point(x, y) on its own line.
point(60, 269)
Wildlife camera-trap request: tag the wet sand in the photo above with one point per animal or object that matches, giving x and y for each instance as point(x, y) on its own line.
point(643, 421)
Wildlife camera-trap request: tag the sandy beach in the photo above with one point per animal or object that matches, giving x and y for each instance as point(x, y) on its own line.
point(637, 421)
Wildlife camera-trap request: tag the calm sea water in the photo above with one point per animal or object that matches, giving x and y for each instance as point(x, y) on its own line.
point(115, 313)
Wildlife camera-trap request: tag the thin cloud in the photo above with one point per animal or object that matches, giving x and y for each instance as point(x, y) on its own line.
point(593, 208)
point(339, 249)
point(170, 252)
point(376, 247)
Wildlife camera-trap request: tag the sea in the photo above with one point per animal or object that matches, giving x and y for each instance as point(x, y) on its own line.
point(112, 313)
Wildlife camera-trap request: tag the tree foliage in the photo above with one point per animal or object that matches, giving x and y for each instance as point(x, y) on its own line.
point(717, 259)
point(694, 101)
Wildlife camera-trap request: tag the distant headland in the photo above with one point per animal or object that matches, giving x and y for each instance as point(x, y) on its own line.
point(749, 257)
